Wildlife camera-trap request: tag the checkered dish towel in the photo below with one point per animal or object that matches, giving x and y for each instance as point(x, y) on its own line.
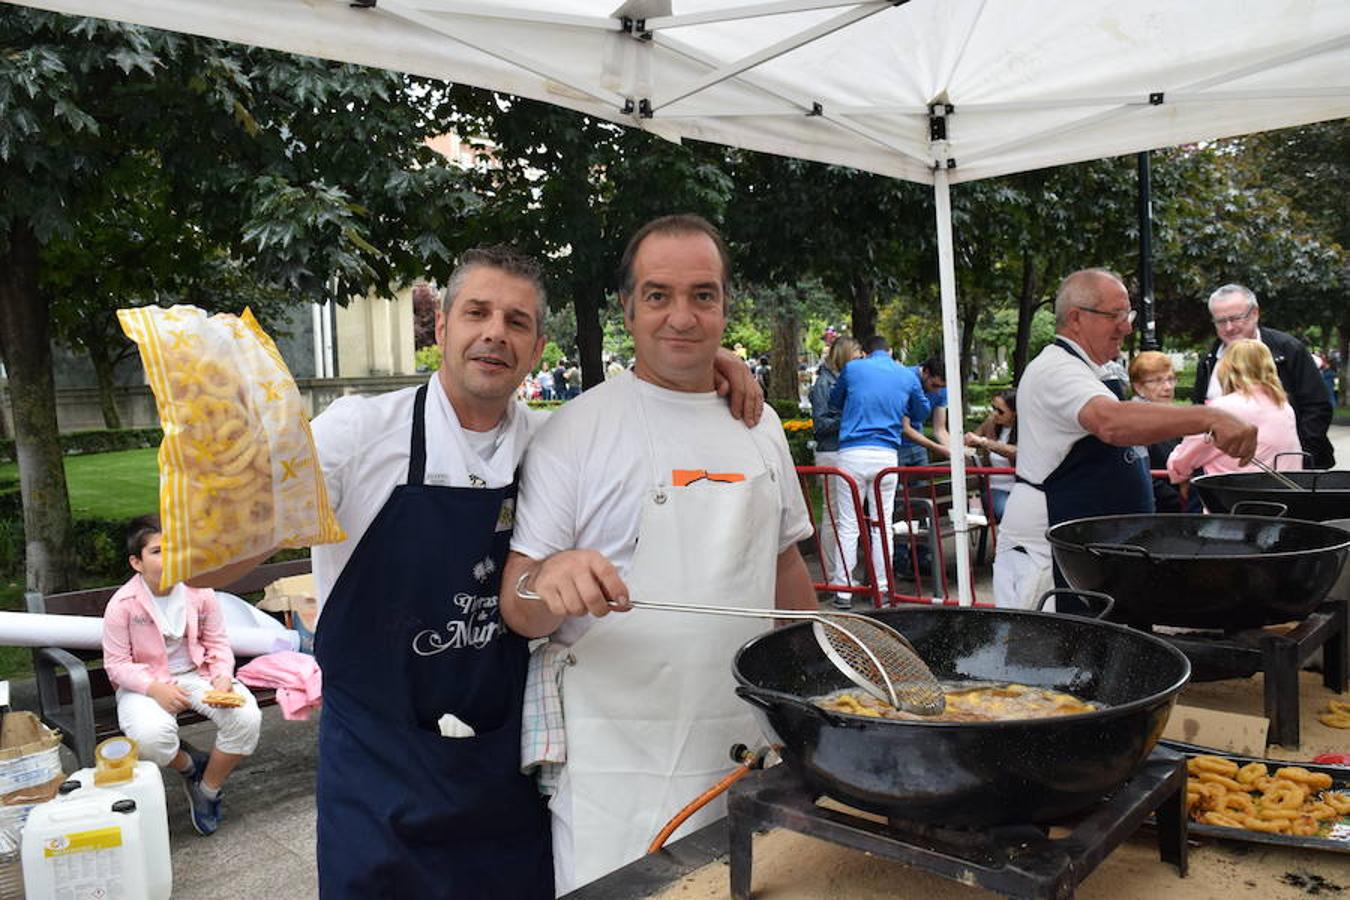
point(543, 737)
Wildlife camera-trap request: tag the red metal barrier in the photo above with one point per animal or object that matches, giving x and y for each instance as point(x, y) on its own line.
point(827, 474)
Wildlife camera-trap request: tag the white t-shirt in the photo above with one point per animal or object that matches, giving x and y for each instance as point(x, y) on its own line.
point(1054, 389)
point(999, 461)
point(363, 445)
point(170, 611)
point(591, 463)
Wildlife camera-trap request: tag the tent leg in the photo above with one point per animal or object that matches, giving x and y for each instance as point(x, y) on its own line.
point(951, 343)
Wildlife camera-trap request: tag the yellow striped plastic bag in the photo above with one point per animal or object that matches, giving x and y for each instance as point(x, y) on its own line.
point(238, 472)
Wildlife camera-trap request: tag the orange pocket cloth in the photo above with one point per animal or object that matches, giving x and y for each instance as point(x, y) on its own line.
point(238, 472)
point(686, 477)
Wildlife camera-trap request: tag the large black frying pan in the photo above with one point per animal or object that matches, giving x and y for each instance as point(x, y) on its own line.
point(1202, 571)
point(1327, 494)
point(972, 773)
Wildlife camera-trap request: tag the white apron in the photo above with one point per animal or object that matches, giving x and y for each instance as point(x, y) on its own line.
point(650, 708)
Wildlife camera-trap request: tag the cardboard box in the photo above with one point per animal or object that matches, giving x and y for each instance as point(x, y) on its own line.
point(1233, 732)
point(294, 596)
point(30, 760)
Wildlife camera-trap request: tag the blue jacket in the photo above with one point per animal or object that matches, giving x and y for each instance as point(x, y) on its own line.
point(876, 394)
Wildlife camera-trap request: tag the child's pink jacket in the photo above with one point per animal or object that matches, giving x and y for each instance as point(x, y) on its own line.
point(133, 647)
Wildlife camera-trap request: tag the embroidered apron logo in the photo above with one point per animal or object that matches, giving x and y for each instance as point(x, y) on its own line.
point(483, 570)
point(477, 626)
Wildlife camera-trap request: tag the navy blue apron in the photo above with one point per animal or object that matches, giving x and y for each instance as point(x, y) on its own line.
point(1095, 479)
point(411, 631)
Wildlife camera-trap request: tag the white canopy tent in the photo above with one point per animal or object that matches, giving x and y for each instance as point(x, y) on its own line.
point(933, 91)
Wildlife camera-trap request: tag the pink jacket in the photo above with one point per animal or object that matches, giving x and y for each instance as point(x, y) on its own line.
point(1276, 432)
point(296, 677)
point(133, 647)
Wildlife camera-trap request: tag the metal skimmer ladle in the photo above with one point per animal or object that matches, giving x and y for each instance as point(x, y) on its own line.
point(1282, 479)
point(873, 655)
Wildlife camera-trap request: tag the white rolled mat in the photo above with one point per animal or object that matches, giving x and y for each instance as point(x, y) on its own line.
point(19, 629)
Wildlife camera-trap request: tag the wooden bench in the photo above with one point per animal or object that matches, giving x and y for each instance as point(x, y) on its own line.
point(77, 698)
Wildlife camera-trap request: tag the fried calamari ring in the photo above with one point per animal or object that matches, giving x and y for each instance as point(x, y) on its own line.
point(1224, 820)
point(1316, 781)
point(1248, 774)
point(1238, 802)
point(1320, 812)
point(1304, 827)
point(1269, 826)
point(1227, 784)
point(1213, 764)
point(1337, 800)
point(1284, 795)
point(1278, 815)
point(1335, 719)
point(219, 382)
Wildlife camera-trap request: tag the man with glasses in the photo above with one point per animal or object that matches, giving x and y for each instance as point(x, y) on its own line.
point(1236, 316)
point(1076, 441)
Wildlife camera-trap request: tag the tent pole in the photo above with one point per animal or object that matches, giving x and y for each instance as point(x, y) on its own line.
point(951, 343)
point(1149, 338)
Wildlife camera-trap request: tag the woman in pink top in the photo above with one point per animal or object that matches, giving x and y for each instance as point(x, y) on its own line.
point(1252, 392)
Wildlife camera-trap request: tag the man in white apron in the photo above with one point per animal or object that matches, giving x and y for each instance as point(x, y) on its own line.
point(672, 500)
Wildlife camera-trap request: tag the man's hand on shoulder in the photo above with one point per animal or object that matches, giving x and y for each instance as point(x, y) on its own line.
point(733, 379)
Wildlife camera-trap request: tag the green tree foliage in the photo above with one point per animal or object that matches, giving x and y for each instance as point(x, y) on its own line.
point(143, 166)
point(572, 190)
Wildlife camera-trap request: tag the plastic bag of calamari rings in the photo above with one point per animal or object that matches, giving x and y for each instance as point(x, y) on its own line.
point(238, 472)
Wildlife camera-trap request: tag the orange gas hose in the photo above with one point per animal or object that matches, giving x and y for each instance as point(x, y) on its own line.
point(701, 801)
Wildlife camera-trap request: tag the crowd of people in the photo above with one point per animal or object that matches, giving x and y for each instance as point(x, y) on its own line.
point(1076, 448)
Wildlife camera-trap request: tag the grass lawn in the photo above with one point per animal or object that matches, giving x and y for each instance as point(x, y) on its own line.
point(118, 485)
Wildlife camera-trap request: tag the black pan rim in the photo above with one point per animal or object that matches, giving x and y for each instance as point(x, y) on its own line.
point(1058, 542)
point(1105, 714)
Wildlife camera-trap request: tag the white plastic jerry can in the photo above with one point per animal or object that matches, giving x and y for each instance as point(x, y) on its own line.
point(147, 789)
point(117, 769)
point(87, 844)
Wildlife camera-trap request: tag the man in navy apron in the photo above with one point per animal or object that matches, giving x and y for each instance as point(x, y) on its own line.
point(1076, 441)
point(419, 786)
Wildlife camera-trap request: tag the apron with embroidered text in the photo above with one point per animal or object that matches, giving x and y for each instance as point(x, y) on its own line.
point(411, 632)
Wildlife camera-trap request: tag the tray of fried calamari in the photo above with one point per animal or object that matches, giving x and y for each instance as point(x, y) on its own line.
point(1267, 801)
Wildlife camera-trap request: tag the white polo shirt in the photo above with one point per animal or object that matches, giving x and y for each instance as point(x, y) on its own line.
point(1054, 389)
point(363, 445)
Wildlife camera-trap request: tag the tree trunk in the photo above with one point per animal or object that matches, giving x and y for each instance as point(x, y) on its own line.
point(103, 371)
point(783, 362)
point(864, 309)
point(970, 314)
point(1343, 384)
point(590, 334)
point(25, 340)
point(1026, 308)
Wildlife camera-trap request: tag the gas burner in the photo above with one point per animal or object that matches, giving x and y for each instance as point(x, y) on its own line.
point(1016, 861)
point(1241, 654)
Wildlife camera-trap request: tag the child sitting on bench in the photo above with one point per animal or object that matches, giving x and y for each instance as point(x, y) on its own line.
point(164, 652)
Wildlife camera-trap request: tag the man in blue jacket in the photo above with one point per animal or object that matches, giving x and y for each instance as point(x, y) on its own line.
point(876, 394)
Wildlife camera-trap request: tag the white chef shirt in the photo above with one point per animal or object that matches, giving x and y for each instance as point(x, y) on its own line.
point(591, 465)
point(363, 445)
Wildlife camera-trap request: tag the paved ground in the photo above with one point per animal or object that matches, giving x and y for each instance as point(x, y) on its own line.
point(265, 846)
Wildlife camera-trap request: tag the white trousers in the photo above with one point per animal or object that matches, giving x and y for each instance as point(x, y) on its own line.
point(1020, 578)
point(863, 464)
point(155, 729)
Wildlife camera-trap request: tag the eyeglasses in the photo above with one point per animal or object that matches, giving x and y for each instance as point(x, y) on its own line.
point(1118, 315)
point(1233, 320)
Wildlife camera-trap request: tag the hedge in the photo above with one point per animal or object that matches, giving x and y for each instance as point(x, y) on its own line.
point(104, 441)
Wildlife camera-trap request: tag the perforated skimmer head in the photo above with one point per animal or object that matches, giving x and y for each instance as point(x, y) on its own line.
point(879, 660)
